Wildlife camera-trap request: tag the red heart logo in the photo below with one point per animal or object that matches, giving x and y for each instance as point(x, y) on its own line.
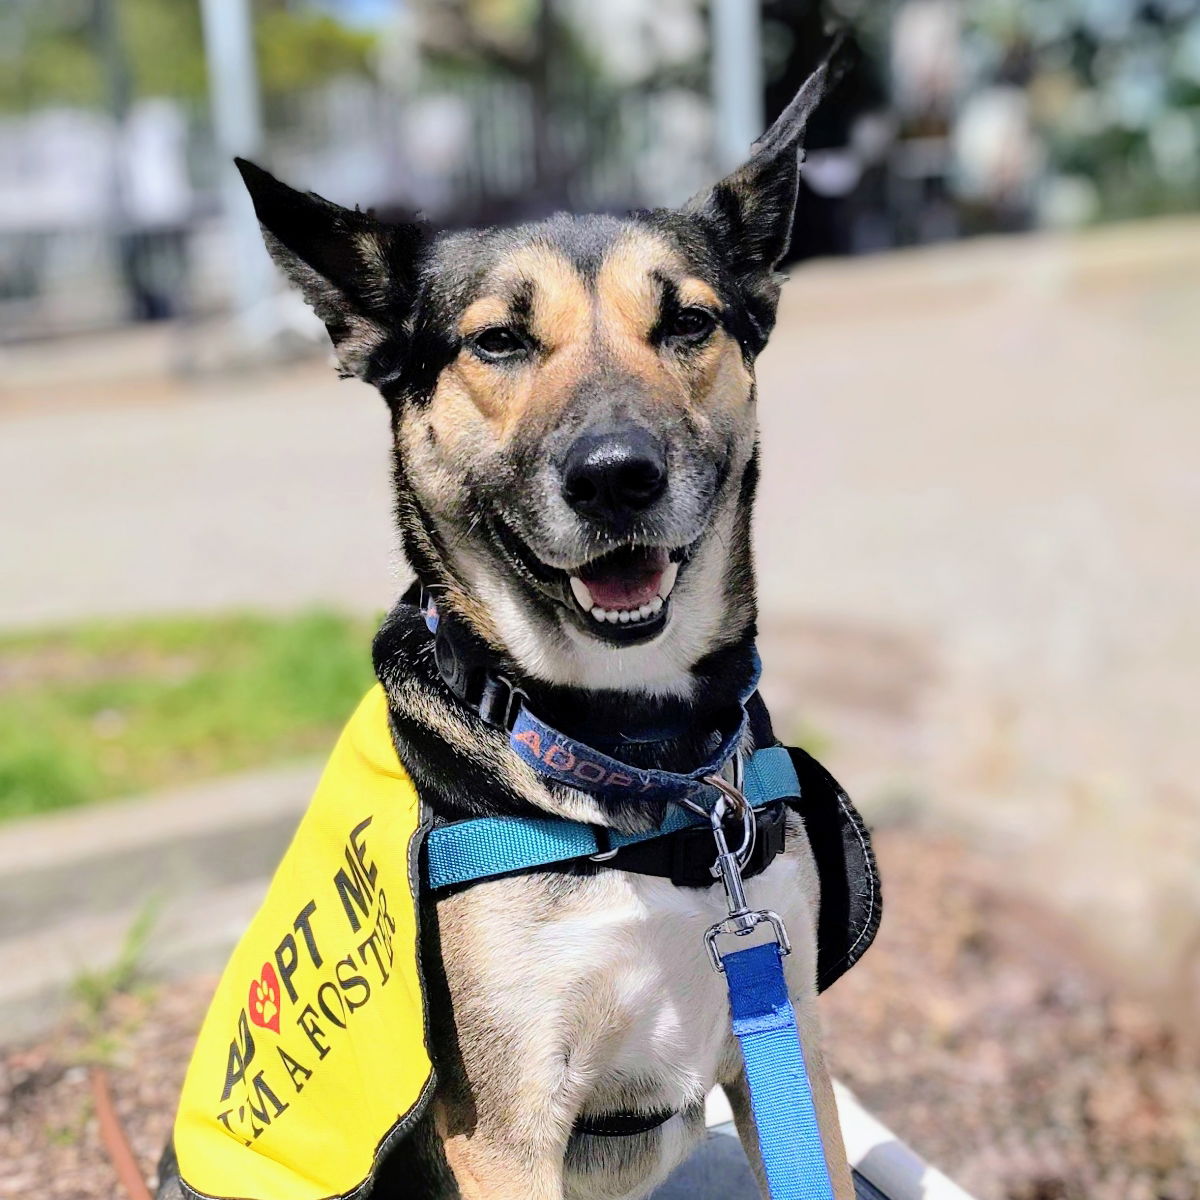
point(263, 1003)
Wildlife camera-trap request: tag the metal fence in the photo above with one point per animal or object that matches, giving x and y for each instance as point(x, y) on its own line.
point(137, 232)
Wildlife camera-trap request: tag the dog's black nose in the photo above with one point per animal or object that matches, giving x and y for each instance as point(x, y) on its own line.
point(615, 474)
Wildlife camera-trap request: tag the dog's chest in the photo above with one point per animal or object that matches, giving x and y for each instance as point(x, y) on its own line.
point(609, 974)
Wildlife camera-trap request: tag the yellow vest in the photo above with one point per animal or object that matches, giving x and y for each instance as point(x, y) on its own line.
point(314, 1052)
point(314, 1049)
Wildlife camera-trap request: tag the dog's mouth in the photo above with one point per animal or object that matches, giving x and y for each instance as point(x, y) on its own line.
point(627, 589)
point(622, 596)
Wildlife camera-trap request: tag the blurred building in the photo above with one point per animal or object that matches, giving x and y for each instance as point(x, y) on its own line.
point(949, 119)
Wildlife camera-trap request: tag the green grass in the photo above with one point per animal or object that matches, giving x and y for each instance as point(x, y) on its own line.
point(113, 709)
point(96, 988)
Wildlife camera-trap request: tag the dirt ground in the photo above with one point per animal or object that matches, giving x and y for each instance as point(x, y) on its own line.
point(979, 1033)
point(973, 1028)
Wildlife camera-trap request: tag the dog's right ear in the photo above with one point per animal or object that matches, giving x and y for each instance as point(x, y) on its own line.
point(749, 213)
point(357, 273)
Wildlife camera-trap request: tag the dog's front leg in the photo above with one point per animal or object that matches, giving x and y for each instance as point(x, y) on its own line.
point(494, 1168)
point(505, 1142)
point(738, 1094)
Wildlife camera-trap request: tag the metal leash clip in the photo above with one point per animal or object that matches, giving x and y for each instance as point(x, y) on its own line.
point(742, 919)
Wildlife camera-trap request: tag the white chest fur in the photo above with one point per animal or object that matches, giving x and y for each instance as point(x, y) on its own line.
point(668, 1008)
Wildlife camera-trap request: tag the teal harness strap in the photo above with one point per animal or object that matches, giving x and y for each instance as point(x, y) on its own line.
point(488, 846)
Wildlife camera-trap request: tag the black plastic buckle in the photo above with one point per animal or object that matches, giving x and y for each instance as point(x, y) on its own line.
point(692, 858)
point(692, 855)
point(501, 701)
point(461, 659)
point(770, 835)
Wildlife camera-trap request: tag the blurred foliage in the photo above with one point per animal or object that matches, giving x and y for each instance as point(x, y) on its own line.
point(554, 51)
point(96, 988)
point(163, 46)
point(113, 709)
point(1113, 88)
point(1109, 90)
point(53, 51)
point(48, 54)
point(520, 38)
point(296, 50)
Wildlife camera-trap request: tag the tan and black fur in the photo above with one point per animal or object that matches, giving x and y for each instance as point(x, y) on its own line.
point(501, 353)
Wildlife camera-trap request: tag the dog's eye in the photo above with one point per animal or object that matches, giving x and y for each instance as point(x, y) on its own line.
point(498, 343)
point(691, 324)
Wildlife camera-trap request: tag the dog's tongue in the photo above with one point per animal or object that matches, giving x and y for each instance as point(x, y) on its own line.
point(626, 578)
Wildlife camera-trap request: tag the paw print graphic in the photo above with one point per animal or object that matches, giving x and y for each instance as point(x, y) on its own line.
point(262, 1003)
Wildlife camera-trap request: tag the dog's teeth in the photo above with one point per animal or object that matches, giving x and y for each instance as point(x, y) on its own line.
point(626, 616)
point(582, 596)
point(668, 580)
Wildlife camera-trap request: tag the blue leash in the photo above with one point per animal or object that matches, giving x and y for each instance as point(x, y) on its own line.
point(764, 1024)
point(784, 1114)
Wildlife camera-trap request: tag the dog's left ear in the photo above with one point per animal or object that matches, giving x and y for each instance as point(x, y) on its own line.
point(749, 213)
point(358, 274)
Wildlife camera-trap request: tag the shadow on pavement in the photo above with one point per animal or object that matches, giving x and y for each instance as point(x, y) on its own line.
point(718, 1170)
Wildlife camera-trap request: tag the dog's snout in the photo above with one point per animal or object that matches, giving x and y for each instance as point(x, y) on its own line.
point(614, 475)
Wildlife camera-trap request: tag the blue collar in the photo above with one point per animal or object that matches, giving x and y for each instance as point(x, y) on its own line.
point(566, 760)
point(470, 850)
point(466, 667)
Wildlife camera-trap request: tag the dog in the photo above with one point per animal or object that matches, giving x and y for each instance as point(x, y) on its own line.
point(575, 457)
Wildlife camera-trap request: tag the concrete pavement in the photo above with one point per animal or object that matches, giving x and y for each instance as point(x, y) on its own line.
point(265, 492)
point(192, 862)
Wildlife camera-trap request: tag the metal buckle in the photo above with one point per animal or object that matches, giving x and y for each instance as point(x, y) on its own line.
point(742, 919)
point(733, 797)
point(756, 917)
point(609, 851)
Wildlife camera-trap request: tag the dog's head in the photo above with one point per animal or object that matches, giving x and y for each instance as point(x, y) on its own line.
point(573, 408)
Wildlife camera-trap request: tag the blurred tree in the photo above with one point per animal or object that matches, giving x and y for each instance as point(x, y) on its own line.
point(1113, 91)
point(48, 54)
point(576, 86)
point(52, 49)
point(298, 48)
point(795, 38)
point(521, 40)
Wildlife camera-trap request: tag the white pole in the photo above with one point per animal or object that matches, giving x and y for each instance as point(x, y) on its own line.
point(881, 1158)
point(873, 1150)
point(237, 129)
point(737, 79)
